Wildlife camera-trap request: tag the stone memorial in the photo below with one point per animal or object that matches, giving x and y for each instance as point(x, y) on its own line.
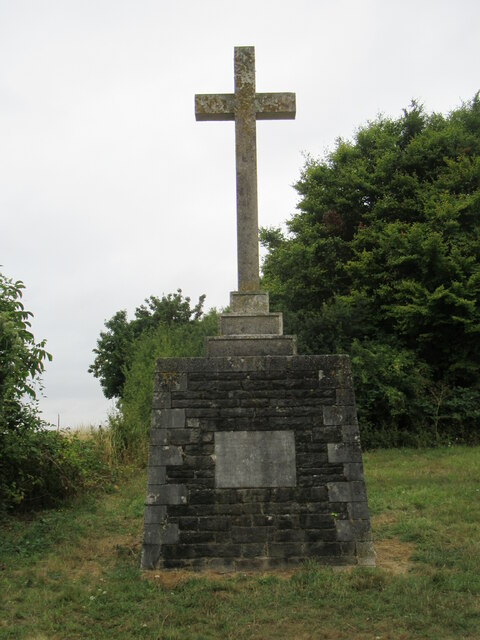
point(255, 458)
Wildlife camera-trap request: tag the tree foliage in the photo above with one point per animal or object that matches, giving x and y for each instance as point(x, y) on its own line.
point(22, 360)
point(115, 346)
point(382, 261)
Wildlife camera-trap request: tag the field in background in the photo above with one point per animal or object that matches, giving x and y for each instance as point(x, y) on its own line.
point(73, 573)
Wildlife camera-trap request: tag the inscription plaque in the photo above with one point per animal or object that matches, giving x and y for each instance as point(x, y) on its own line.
point(254, 459)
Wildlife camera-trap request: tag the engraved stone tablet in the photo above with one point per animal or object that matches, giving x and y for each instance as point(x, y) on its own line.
point(253, 459)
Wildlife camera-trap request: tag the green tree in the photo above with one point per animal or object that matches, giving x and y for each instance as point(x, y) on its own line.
point(382, 261)
point(115, 346)
point(22, 359)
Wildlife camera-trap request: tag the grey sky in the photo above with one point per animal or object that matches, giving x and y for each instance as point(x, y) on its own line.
point(111, 192)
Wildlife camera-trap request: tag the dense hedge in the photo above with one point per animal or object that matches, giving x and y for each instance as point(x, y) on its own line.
point(382, 262)
point(40, 468)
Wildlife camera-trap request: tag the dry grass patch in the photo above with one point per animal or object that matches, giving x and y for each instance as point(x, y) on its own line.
point(394, 556)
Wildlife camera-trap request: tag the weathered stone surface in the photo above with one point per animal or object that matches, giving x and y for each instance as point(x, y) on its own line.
point(347, 491)
point(172, 381)
point(358, 511)
point(340, 415)
point(353, 471)
point(155, 514)
point(238, 324)
point(168, 418)
point(260, 345)
point(255, 459)
point(245, 106)
point(168, 494)
point(341, 452)
point(345, 397)
point(161, 399)
point(163, 534)
point(365, 554)
point(150, 556)
point(225, 366)
point(156, 474)
point(350, 433)
point(158, 437)
point(349, 530)
point(256, 302)
point(164, 456)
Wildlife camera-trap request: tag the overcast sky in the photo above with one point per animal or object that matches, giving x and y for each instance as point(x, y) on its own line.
point(110, 191)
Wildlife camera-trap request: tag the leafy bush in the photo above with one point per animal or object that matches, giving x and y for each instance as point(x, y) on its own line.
point(41, 468)
point(38, 467)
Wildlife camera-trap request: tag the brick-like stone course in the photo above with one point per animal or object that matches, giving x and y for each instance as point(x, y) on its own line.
point(190, 522)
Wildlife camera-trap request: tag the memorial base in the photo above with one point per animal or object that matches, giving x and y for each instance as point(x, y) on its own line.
point(255, 463)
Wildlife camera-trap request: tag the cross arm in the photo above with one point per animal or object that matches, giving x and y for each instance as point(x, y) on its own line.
point(214, 106)
point(275, 106)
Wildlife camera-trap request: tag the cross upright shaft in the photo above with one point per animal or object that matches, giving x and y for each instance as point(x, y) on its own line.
point(245, 106)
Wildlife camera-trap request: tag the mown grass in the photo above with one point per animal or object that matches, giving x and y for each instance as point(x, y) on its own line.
point(73, 573)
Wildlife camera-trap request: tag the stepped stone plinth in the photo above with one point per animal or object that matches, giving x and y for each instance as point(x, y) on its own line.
point(250, 329)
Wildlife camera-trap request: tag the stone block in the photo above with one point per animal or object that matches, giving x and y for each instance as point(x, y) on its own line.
point(155, 514)
point(353, 530)
point(345, 396)
point(358, 511)
point(255, 459)
point(251, 534)
point(339, 415)
point(353, 471)
point(168, 419)
point(316, 520)
point(168, 494)
point(326, 434)
point(156, 475)
point(254, 345)
point(183, 436)
point(161, 399)
point(346, 491)
point(340, 452)
point(158, 437)
point(249, 303)
point(150, 556)
point(165, 456)
point(163, 534)
point(350, 433)
point(236, 324)
point(170, 381)
point(365, 552)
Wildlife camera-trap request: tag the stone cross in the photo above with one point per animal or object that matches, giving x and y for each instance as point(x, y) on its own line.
point(245, 106)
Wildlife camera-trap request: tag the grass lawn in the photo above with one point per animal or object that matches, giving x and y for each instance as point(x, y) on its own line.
point(73, 573)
